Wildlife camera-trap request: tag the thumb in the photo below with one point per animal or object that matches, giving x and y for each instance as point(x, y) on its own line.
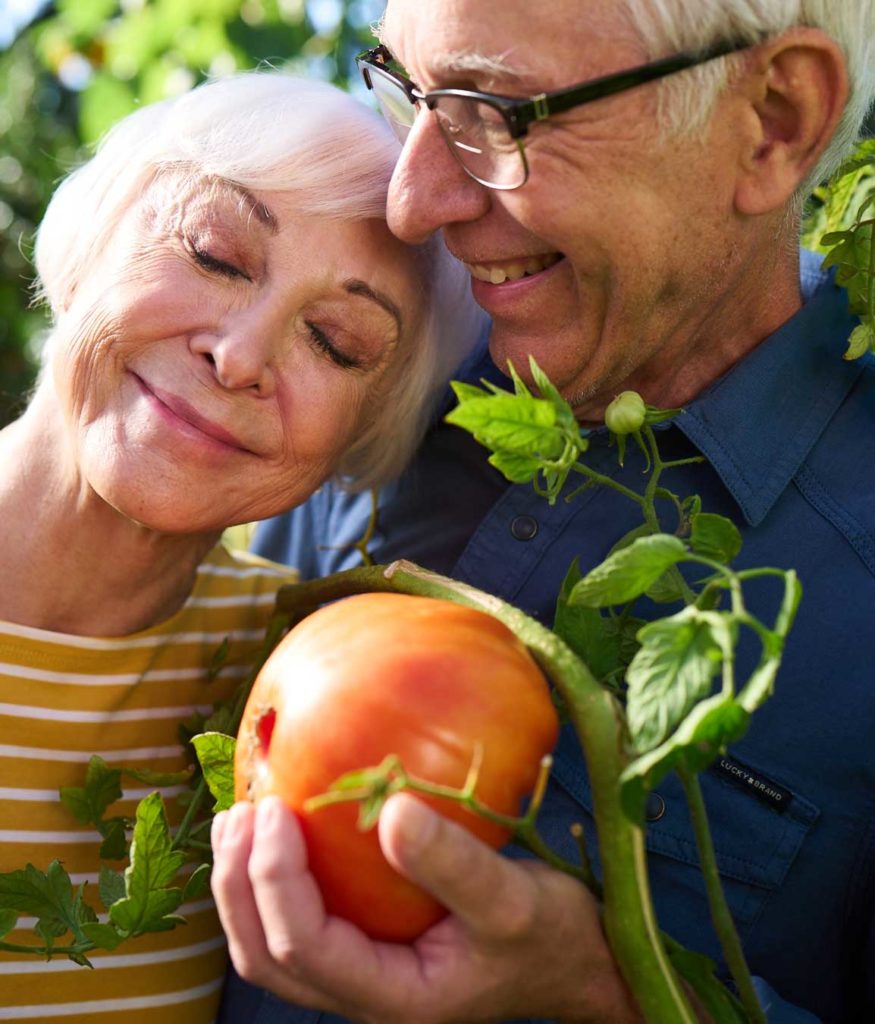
point(493, 897)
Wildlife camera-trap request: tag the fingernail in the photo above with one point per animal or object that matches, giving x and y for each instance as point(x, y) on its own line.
point(417, 824)
point(268, 812)
point(217, 830)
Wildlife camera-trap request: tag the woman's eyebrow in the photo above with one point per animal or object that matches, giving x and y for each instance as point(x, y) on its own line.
point(354, 286)
point(254, 206)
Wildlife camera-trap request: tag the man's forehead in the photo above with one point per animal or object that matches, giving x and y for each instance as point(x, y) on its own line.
point(496, 39)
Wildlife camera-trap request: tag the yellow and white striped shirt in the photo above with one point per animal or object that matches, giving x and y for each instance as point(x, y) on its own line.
point(64, 698)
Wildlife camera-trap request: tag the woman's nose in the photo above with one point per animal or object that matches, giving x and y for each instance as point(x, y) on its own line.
point(242, 351)
point(429, 189)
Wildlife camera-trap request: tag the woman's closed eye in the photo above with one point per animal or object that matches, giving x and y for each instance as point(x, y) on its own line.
point(324, 343)
point(214, 264)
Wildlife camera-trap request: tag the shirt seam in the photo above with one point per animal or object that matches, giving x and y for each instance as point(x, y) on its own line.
point(854, 532)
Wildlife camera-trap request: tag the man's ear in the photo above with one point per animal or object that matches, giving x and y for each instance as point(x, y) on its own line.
point(797, 91)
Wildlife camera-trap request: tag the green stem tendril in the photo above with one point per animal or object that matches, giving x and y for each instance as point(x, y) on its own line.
point(720, 914)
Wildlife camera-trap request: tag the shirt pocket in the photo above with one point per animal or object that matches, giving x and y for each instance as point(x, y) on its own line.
point(755, 843)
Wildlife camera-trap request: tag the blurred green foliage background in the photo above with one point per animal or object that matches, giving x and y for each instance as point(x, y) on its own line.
point(71, 68)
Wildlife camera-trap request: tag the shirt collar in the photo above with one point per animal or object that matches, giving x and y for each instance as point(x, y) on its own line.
point(758, 423)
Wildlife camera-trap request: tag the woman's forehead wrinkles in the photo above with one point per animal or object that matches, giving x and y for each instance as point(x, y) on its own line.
point(198, 194)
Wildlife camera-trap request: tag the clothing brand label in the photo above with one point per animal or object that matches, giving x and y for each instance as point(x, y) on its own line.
point(777, 797)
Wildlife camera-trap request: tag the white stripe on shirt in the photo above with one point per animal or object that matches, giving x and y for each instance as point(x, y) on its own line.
point(105, 1005)
point(97, 717)
point(158, 675)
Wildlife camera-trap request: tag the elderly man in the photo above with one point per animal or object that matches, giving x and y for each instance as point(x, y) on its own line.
point(629, 217)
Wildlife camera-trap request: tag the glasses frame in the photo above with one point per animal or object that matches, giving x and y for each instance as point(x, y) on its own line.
point(520, 114)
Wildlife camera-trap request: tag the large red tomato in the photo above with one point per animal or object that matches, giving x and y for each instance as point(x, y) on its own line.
point(381, 674)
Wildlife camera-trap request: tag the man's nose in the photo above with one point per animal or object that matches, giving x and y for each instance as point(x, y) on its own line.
point(429, 189)
point(243, 349)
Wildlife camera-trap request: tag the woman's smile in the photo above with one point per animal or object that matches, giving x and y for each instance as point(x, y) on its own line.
point(183, 416)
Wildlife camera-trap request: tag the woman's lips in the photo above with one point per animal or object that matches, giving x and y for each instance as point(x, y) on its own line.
point(183, 411)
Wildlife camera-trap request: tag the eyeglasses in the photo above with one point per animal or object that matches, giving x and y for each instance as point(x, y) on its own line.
point(483, 130)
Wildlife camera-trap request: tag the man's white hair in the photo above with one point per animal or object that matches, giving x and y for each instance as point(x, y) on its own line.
point(273, 132)
point(675, 26)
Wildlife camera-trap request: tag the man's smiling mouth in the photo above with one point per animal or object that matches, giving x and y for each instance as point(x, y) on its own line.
point(499, 271)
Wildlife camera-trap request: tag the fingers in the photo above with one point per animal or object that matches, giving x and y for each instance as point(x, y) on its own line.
point(491, 896)
point(232, 840)
point(278, 932)
point(236, 835)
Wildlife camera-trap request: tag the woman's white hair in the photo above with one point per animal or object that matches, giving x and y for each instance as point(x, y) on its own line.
point(675, 26)
point(270, 131)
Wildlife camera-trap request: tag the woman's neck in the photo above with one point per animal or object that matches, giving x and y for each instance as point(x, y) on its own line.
point(69, 562)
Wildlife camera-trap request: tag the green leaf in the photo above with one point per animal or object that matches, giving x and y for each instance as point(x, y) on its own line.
point(678, 659)
point(215, 752)
point(520, 388)
point(518, 469)
point(102, 788)
point(699, 973)
point(110, 886)
point(715, 537)
point(586, 630)
point(513, 423)
point(8, 919)
point(369, 810)
point(853, 253)
point(104, 936)
point(464, 392)
point(149, 904)
point(627, 573)
point(197, 883)
point(860, 341)
point(218, 659)
point(706, 731)
point(115, 839)
point(564, 412)
point(48, 896)
point(666, 590)
point(151, 778)
point(653, 414)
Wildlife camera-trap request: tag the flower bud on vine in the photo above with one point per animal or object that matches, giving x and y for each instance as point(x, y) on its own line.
point(626, 413)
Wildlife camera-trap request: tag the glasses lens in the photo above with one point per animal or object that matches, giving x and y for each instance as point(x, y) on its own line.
point(480, 140)
point(393, 101)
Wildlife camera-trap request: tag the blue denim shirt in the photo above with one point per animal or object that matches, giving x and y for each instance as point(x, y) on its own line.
point(789, 438)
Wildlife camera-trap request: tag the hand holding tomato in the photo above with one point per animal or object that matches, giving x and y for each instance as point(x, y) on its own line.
point(439, 685)
point(521, 940)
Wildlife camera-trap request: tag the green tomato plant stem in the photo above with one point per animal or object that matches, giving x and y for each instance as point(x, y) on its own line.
point(724, 926)
point(629, 920)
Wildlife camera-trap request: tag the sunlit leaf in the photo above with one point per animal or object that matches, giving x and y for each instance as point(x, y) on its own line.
point(627, 573)
point(215, 752)
point(674, 668)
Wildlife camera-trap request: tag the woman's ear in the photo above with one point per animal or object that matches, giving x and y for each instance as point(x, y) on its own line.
point(796, 92)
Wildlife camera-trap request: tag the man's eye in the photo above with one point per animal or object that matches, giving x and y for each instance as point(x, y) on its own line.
point(215, 265)
point(323, 342)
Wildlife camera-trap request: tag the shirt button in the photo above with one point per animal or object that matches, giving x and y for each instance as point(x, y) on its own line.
point(654, 807)
point(524, 527)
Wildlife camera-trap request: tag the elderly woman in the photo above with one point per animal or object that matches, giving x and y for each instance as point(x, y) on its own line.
point(233, 324)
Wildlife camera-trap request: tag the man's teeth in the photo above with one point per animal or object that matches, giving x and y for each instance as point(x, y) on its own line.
point(515, 270)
